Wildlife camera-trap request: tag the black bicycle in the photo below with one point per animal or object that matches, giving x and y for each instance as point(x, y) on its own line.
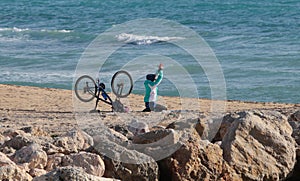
point(86, 89)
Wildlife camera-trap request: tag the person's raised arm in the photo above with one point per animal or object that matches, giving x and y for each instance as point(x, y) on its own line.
point(159, 75)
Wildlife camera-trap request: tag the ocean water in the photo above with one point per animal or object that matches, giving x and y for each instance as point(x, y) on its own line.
point(256, 43)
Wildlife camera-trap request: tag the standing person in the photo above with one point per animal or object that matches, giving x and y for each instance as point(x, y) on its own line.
point(151, 83)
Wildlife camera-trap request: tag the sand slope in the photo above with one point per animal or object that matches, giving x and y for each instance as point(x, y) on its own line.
point(52, 109)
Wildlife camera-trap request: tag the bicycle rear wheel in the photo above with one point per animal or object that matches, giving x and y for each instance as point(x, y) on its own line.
point(85, 88)
point(121, 84)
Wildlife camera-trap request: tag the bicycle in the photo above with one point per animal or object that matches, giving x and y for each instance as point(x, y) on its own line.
point(87, 89)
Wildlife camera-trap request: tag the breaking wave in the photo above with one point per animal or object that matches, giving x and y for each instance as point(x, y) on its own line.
point(144, 40)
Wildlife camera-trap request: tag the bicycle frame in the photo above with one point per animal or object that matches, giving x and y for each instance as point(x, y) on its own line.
point(97, 96)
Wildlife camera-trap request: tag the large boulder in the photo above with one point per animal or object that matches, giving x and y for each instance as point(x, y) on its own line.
point(33, 155)
point(147, 171)
point(152, 136)
point(90, 162)
point(138, 127)
point(197, 160)
point(295, 116)
point(36, 172)
point(259, 146)
point(123, 163)
point(13, 172)
point(74, 141)
point(54, 161)
point(4, 160)
point(18, 140)
point(35, 131)
point(294, 120)
point(70, 173)
point(10, 171)
point(225, 125)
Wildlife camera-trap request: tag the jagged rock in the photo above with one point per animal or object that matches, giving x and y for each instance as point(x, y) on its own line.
point(35, 131)
point(259, 146)
point(90, 162)
point(119, 136)
point(151, 137)
point(225, 125)
point(4, 160)
point(294, 120)
point(51, 149)
point(189, 128)
point(13, 132)
point(74, 141)
point(9, 151)
point(36, 172)
point(123, 163)
point(197, 160)
point(137, 127)
point(157, 144)
point(295, 116)
point(122, 129)
point(13, 172)
point(33, 154)
point(54, 161)
point(70, 173)
point(126, 171)
point(18, 141)
point(3, 138)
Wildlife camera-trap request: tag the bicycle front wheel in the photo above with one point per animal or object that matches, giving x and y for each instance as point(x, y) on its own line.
point(121, 84)
point(85, 88)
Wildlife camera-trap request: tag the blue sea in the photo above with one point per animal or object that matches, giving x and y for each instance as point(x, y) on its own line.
point(256, 42)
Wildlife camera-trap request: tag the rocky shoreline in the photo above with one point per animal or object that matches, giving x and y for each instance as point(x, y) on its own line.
point(44, 141)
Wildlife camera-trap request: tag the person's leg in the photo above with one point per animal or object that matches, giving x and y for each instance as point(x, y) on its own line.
point(152, 106)
point(147, 109)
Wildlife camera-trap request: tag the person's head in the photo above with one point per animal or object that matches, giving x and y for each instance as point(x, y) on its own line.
point(102, 85)
point(150, 77)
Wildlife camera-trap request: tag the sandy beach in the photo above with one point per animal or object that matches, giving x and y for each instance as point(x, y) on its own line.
point(52, 109)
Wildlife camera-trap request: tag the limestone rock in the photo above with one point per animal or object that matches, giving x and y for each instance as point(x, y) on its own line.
point(123, 163)
point(13, 172)
point(4, 160)
point(74, 141)
point(197, 160)
point(35, 131)
point(128, 171)
point(36, 172)
point(19, 141)
point(70, 173)
point(188, 128)
point(33, 154)
point(54, 161)
point(294, 120)
point(225, 125)
point(90, 162)
point(151, 137)
point(295, 116)
point(123, 129)
point(137, 127)
point(259, 146)
point(13, 132)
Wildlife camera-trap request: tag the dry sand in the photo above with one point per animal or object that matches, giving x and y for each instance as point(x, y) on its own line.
point(53, 109)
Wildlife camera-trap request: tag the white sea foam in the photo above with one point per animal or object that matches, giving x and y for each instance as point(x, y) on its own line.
point(58, 31)
point(144, 40)
point(15, 29)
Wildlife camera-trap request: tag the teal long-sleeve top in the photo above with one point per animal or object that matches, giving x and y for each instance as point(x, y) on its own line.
point(151, 87)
